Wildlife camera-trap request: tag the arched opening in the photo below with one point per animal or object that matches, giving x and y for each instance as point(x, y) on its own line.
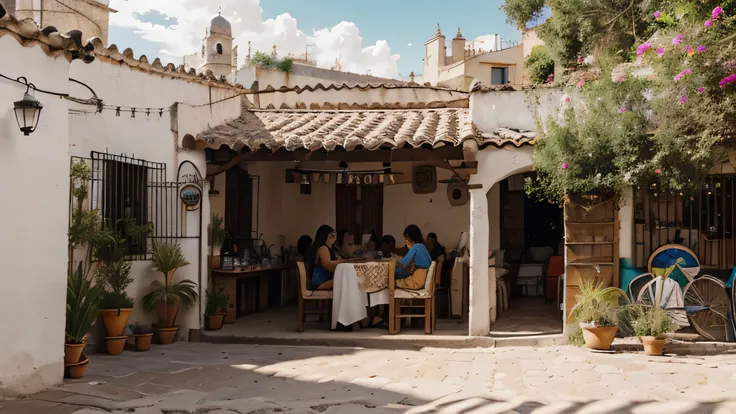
point(527, 253)
point(188, 142)
point(218, 47)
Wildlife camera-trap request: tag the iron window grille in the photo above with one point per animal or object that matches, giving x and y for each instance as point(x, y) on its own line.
point(703, 222)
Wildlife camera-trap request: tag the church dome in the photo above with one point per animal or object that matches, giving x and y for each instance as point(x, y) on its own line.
point(220, 25)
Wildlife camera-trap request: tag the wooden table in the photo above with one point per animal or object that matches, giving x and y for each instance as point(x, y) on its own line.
point(230, 278)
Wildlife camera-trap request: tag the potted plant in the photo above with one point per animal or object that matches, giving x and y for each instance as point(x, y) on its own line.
point(168, 298)
point(82, 300)
point(217, 301)
point(114, 277)
point(82, 297)
point(76, 371)
point(649, 324)
point(142, 336)
point(596, 313)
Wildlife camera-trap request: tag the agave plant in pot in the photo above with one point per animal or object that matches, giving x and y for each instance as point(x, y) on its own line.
point(82, 301)
point(82, 296)
point(596, 313)
point(169, 297)
point(217, 301)
point(649, 325)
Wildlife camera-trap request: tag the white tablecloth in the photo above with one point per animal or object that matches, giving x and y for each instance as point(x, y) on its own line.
point(349, 298)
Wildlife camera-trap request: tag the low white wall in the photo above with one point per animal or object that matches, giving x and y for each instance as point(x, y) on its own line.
point(511, 109)
point(34, 221)
point(356, 95)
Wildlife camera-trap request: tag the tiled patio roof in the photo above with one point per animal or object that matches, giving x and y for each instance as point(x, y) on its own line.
point(355, 129)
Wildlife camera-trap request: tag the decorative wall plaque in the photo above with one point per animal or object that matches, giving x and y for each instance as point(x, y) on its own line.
point(424, 179)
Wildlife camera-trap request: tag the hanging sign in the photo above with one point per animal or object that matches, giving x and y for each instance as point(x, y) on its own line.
point(191, 196)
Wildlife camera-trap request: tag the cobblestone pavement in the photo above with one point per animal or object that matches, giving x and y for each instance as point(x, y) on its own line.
point(250, 379)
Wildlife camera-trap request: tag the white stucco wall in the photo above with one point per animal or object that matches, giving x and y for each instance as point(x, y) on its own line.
point(152, 138)
point(35, 171)
point(493, 166)
point(511, 109)
point(360, 96)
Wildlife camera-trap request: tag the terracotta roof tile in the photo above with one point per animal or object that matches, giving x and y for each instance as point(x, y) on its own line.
point(355, 129)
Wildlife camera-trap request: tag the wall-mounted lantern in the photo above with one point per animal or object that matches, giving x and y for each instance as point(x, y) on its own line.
point(27, 113)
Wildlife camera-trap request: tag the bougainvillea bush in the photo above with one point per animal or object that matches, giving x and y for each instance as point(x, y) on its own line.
point(667, 118)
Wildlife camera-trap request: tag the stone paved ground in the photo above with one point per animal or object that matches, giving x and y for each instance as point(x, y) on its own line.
point(250, 379)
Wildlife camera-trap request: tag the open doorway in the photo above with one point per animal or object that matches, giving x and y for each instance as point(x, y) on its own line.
point(529, 263)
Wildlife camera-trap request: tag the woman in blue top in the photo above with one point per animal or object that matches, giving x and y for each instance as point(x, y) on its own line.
point(320, 259)
point(411, 271)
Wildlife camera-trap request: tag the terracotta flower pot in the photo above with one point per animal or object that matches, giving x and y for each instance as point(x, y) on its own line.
point(214, 321)
point(143, 342)
point(115, 344)
point(652, 345)
point(167, 313)
point(599, 338)
point(72, 353)
point(115, 320)
point(76, 371)
point(166, 335)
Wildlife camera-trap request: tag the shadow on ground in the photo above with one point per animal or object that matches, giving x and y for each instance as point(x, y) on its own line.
point(242, 379)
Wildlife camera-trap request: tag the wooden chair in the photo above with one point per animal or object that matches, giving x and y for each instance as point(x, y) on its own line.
point(305, 294)
point(396, 296)
point(446, 289)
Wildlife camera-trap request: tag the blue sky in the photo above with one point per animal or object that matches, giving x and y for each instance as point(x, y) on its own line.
point(398, 22)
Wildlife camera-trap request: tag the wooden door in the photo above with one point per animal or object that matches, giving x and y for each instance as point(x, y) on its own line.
point(238, 204)
point(359, 209)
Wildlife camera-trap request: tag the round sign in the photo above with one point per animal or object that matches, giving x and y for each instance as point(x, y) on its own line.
point(191, 196)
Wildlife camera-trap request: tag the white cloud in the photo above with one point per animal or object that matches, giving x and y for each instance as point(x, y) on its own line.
point(343, 41)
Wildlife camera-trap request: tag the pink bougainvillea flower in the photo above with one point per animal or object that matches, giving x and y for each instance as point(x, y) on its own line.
point(701, 89)
point(717, 12)
point(657, 14)
point(677, 40)
point(660, 51)
point(684, 99)
point(567, 99)
point(682, 74)
point(708, 23)
point(564, 165)
point(689, 50)
point(622, 109)
point(580, 60)
point(728, 79)
point(702, 48)
point(658, 171)
point(643, 48)
point(581, 83)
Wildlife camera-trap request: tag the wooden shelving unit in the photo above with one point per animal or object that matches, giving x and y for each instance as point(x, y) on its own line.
point(591, 246)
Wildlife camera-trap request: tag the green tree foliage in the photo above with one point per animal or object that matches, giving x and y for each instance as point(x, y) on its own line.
point(262, 60)
point(539, 65)
point(663, 120)
point(582, 27)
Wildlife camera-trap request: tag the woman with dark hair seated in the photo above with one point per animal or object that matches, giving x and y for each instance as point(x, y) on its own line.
point(411, 271)
point(321, 261)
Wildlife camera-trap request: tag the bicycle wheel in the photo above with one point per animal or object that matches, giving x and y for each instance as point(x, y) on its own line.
point(708, 298)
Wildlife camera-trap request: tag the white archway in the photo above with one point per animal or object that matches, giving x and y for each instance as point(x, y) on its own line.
point(494, 165)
